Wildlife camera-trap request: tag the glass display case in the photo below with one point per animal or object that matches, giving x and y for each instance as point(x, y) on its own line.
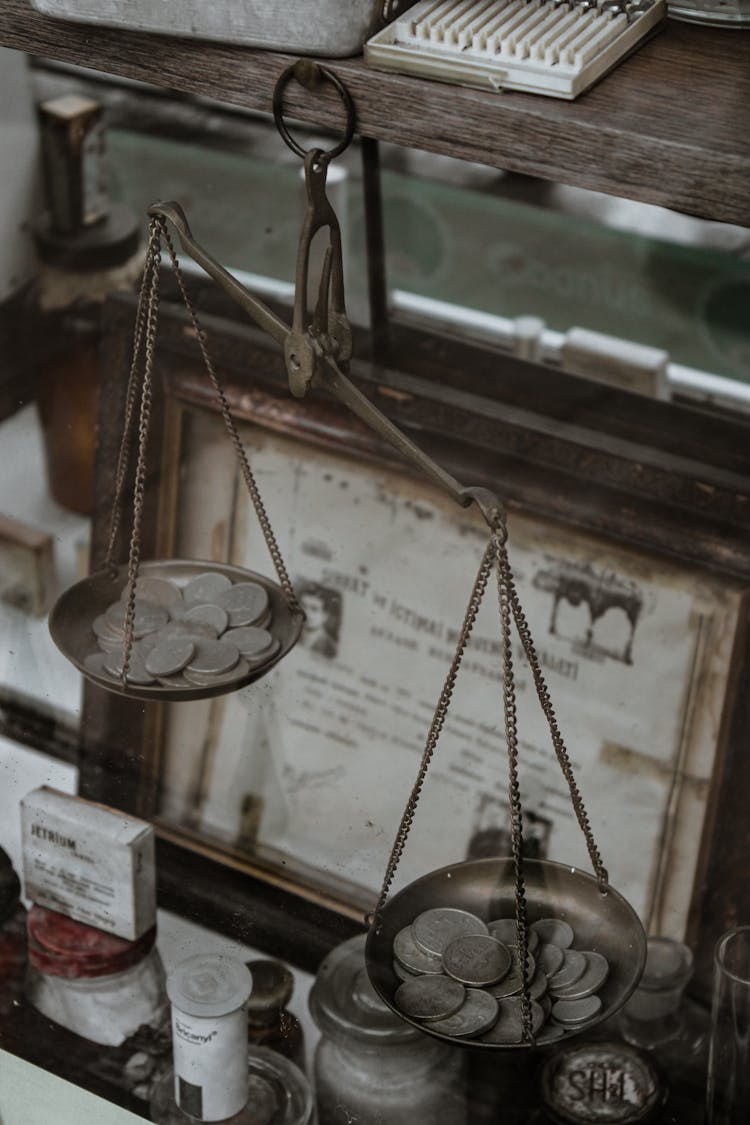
point(552, 324)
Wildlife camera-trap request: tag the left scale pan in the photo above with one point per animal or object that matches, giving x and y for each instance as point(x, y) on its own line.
point(222, 628)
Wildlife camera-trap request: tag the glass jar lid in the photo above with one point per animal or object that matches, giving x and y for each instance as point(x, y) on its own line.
point(62, 947)
point(209, 985)
point(343, 1001)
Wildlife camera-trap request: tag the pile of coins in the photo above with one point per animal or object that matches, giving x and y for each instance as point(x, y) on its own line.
point(462, 977)
point(210, 631)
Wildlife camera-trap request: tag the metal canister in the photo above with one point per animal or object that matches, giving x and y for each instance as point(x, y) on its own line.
point(601, 1084)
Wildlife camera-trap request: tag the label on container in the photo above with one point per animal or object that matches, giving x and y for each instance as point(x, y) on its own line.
point(210, 1064)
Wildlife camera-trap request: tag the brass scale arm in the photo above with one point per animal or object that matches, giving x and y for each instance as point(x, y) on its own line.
point(316, 353)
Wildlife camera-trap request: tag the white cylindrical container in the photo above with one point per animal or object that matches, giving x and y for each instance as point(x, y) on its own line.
point(209, 994)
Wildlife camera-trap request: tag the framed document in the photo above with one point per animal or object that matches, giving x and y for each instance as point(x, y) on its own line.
point(299, 781)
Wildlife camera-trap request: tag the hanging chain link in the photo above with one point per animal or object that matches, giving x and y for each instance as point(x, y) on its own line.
point(543, 695)
point(438, 719)
point(131, 397)
point(514, 791)
point(144, 425)
point(250, 483)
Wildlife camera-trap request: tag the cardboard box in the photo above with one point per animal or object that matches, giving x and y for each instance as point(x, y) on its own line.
point(93, 863)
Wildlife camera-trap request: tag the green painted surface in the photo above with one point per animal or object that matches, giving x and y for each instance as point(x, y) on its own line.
point(30, 1096)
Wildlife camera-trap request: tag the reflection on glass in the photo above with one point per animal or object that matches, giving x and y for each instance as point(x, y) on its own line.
point(728, 1101)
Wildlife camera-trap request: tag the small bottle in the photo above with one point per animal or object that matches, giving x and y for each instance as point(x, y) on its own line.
point(372, 1067)
point(658, 1018)
point(102, 987)
point(278, 1094)
point(269, 1023)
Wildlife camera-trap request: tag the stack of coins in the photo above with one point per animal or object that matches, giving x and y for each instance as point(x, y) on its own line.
point(208, 632)
point(462, 977)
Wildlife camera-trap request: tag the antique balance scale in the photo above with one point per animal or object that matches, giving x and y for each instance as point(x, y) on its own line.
point(497, 913)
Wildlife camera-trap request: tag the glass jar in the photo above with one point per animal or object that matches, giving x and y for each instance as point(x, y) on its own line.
point(279, 1094)
point(660, 1019)
point(370, 1066)
point(269, 1023)
point(98, 985)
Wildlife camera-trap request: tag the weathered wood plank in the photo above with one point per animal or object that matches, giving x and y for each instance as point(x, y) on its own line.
point(667, 127)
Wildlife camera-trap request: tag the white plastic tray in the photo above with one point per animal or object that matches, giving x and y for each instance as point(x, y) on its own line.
point(313, 27)
point(530, 45)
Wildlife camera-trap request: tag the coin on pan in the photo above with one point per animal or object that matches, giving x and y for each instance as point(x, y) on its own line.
point(429, 998)
point(146, 619)
point(103, 628)
point(211, 615)
point(213, 658)
point(269, 654)
point(476, 1015)
point(549, 958)
point(477, 960)
point(215, 679)
point(512, 983)
point(205, 588)
point(435, 929)
point(137, 673)
point(597, 971)
point(170, 656)
point(245, 603)
point(554, 931)
point(538, 986)
point(250, 640)
point(192, 629)
point(572, 969)
point(160, 591)
point(408, 953)
point(506, 931)
point(402, 973)
point(571, 1013)
point(509, 1025)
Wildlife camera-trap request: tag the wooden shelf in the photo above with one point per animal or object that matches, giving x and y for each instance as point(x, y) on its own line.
point(668, 126)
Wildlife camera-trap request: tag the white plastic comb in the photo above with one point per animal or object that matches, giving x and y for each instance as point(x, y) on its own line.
point(556, 47)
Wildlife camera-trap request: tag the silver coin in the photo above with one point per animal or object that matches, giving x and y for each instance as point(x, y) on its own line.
point(506, 931)
point(571, 1013)
point(549, 958)
point(137, 673)
point(476, 1015)
point(429, 998)
point(509, 1026)
point(159, 591)
point(103, 628)
point(213, 658)
point(554, 931)
point(538, 986)
point(212, 615)
point(170, 656)
point(402, 973)
point(512, 983)
point(147, 617)
point(250, 640)
point(435, 929)
point(545, 1003)
point(195, 630)
point(594, 976)
point(550, 1033)
point(114, 645)
point(206, 588)
point(208, 679)
point(477, 960)
point(245, 603)
point(254, 661)
point(407, 952)
point(572, 969)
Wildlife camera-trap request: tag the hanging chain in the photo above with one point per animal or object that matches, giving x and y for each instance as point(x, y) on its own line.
point(438, 720)
point(144, 424)
point(514, 791)
point(543, 695)
point(131, 398)
point(252, 487)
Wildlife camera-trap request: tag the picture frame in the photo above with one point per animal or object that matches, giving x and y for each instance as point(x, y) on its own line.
point(497, 441)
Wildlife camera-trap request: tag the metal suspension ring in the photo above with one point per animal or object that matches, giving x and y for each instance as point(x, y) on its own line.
point(309, 74)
